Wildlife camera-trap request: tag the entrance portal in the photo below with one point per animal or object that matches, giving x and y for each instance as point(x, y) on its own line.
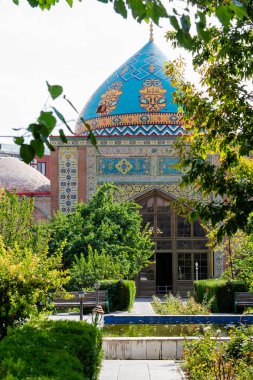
point(163, 272)
point(179, 248)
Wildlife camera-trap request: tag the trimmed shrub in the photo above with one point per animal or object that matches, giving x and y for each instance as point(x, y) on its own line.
point(121, 293)
point(52, 350)
point(222, 292)
point(210, 358)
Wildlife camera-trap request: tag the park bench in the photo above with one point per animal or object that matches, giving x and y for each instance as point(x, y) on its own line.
point(90, 300)
point(243, 299)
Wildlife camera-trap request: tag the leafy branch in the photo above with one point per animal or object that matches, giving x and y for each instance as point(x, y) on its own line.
point(44, 126)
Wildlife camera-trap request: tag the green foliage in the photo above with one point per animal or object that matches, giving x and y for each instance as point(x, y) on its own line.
point(46, 122)
point(235, 17)
point(16, 215)
point(107, 226)
point(121, 294)
point(176, 306)
point(212, 359)
point(221, 292)
point(84, 272)
point(241, 260)
point(140, 9)
point(27, 280)
point(51, 350)
point(215, 152)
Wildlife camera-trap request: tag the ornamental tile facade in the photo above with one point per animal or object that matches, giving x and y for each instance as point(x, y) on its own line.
point(68, 178)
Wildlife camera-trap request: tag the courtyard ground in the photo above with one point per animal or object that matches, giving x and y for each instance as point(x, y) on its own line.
point(140, 370)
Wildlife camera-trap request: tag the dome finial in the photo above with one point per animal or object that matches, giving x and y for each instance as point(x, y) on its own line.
point(151, 36)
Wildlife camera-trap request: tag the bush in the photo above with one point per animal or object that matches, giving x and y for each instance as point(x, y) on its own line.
point(121, 293)
point(52, 350)
point(86, 271)
point(209, 358)
point(221, 291)
point(27, 280)
point(176, 306)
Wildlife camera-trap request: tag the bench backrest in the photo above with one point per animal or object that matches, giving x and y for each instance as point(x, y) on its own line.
point(88, 297)
point(243, 296)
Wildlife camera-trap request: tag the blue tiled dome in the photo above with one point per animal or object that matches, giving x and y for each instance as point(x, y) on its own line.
point(135, 100)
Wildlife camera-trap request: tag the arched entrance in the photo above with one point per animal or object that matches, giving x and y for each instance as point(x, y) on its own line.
point(179, 245)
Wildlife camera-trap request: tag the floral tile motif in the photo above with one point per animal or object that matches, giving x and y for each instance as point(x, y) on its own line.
point(123, 166)
point(68, 178)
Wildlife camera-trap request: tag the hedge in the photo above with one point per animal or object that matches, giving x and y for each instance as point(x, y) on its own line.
point(121, 293)
point(52, 350)
point(222, 292)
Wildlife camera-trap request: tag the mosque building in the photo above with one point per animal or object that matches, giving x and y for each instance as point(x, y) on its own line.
point(135, 122)
point(23, 180)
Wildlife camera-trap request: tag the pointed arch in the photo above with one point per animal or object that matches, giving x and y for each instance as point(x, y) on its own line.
point(179, 244)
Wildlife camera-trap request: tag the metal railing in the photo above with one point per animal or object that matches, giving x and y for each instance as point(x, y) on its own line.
point(163, 289)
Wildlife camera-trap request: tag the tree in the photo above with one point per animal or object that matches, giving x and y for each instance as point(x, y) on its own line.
point(106, 226)
point(216, 150)
point(221, 51)
point(238, 252)
point(16, 215)
point(27, 280)
point(86, 271)
point(224, 10)
point(17, 223)
point(140, 9)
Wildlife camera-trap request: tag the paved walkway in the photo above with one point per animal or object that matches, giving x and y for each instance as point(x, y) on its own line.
point(140, 370)
point(142, 306)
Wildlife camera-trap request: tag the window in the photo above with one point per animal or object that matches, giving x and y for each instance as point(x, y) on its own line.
point(201, 260)
point(157, 212)
point(198, 231)
point(187, 266)
point(147, 274)
point(41, 167)
point(184, 266)
point(183, 227)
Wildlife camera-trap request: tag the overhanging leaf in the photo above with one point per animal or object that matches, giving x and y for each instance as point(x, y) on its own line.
point(185, 22)
point(38, 147)
point(19, 140)
point(138, 9)
point(55, 90)
point(119, 7)
point(203, 34)
point(184, 39)
point(48, 120)
point(33, 3)
point(174, 22)
point(239, 9)
point(27, 153)
point(91, 135)
point(224, 14)
point(70, 2)
point(62, 118)
point(71, 104)
point(62, 136)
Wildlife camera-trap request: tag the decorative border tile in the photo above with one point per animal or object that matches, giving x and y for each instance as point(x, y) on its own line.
point(165, 166)
point(123, 166)
point(68, 178)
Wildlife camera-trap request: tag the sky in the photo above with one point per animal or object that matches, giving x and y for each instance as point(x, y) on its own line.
point(77, 48)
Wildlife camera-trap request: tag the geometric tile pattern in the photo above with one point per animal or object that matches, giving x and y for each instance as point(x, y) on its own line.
point(123, 166)
point(126, 192)
point(141, 118)
point(151, 149)
point(139, 130)
point(165, 166)
point(68, 178)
